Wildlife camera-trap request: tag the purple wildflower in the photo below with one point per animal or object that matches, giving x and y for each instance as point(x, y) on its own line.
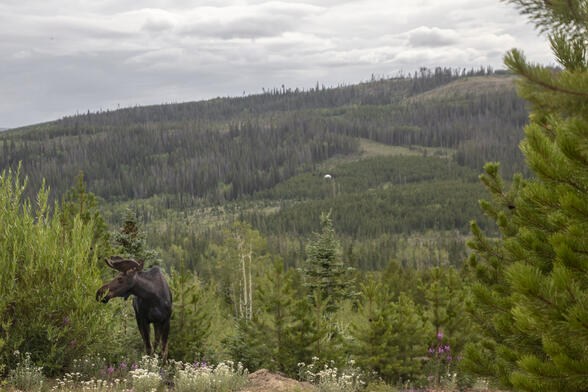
point(447, 348)
point(123, 365)
point(431, 350)
point(203, 364)
point(66, 321)
point(459, 357)
point(134, 366)
point(440, 349)
point(73, 343)
point(449, 358)
point(440, 335)
point(103, 372)
point(110, 369)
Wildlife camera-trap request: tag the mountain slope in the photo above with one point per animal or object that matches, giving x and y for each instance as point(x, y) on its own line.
point(234, 147)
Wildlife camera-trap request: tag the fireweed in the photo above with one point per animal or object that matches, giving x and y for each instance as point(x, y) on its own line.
point(330, 379)
point(441, 364)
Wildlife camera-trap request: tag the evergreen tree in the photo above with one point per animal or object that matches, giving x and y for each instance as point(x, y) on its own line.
point(531, 291)
point(131, 241)
point(324, 270)
point(190, 322)
point(444, 295)
point(450, 327)
point(267, 340)
point(390, 339)
point(78, 202)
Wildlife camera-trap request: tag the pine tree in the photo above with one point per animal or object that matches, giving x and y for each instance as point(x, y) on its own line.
point(390, 338)
point(531, 292)
point(444, 297)
point(190, 323)
point(276, 337)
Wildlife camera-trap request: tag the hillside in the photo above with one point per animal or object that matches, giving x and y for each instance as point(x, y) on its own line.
point(404, 154)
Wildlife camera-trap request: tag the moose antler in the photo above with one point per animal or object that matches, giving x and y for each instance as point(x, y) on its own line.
point(122, 264)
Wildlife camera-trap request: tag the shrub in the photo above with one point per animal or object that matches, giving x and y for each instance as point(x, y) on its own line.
point(48, 279)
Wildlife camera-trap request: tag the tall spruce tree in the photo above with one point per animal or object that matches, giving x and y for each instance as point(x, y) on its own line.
point(325, 272)
point(531, 298)
point(131, 241)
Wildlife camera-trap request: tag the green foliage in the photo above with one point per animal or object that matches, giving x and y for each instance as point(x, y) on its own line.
point(226, 149)
point(131, 241)
point(283, 330)
point(48, 280)
point(389, 338)
point(266, 340)
point(417, 207)
point(444, 293)
point(79, 202)
point(190, 322)
point(369, 173)
point(531, 285)
point(324, 271)
point(236, 263)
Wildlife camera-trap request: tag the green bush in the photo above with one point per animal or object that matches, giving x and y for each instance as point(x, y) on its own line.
point(48, 280)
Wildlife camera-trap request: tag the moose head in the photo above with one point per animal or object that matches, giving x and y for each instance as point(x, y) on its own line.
point(123, 283)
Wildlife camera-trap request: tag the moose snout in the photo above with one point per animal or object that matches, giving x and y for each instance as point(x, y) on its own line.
point(100, 295)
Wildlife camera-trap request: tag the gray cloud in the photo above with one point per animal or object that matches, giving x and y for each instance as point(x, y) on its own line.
point(63, 56)
point(432, 37)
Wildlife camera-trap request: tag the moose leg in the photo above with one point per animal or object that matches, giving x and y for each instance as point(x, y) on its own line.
point(157, 328)
point(145, 330)
point(143, 324)
point(164, 333)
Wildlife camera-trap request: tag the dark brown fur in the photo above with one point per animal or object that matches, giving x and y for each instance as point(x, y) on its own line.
point(152, 299)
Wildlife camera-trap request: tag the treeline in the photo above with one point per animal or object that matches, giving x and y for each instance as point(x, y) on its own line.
point(376, 92)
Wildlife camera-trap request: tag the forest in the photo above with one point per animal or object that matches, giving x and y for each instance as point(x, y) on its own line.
point(421, 232)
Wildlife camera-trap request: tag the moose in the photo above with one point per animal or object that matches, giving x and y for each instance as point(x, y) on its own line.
point(152, 299)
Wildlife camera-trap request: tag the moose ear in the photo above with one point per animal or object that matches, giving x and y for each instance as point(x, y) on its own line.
point(123, 265)
point(141, 263)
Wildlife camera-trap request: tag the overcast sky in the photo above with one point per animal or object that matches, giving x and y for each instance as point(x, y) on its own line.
point(59, 57)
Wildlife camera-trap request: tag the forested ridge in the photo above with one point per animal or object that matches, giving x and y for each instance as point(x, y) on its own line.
point(404, 154)
point(253, 143)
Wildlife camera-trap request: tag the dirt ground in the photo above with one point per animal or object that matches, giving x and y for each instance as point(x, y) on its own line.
point(265, 381)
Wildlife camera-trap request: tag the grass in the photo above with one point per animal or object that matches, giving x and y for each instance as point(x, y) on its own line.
point(371, 149)
point(470, 85)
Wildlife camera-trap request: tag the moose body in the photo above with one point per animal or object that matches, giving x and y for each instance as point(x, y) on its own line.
point(152, 299)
